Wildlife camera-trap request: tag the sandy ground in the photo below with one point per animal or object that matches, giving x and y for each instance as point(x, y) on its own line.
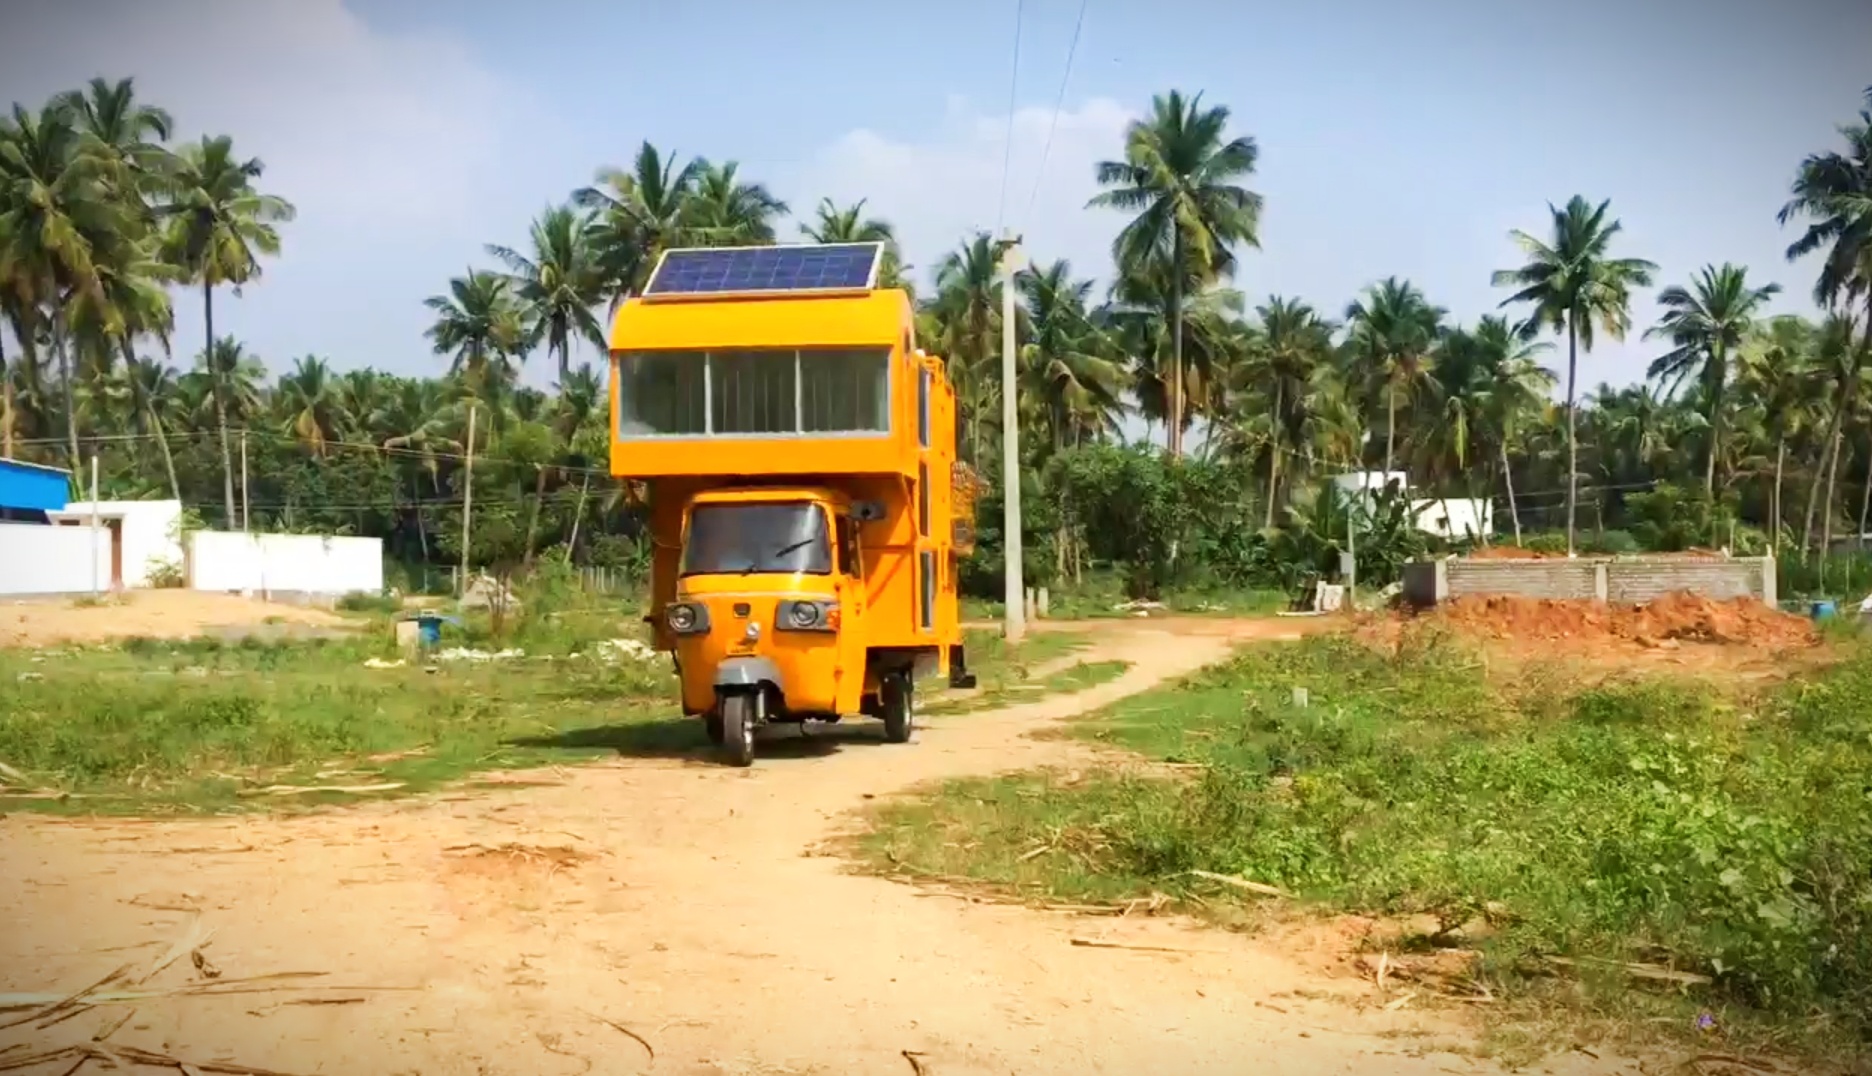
point(693, 904)
point(154, 614)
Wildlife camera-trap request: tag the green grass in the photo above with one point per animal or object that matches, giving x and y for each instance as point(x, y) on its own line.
point(162, 726)
point(1639, 820)
point(155, 725)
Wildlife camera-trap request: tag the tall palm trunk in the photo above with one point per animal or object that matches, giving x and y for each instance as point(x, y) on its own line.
point(62, 356)
point(6, 405)
point(1274, 452)
point(1572, 441)
point(220, 403)
point(1826, 515)
point(1865, 504)
point(1829, 449)
point(1514, 511)
point(539, 498)
point(1176, 343)
point(1390, 433)
point(578, 515)
point(149, 414)
point(422, 532)
point(1718, 372)
point(162, 438)
point(1774, 517)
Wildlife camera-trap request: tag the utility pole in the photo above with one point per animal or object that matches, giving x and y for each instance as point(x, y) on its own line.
point(1015, 598)
point(246, 512)
point(467, 503)
point(95, 585)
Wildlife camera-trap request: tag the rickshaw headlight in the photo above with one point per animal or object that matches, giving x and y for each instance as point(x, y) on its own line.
point(685, 619)
point(808, 616)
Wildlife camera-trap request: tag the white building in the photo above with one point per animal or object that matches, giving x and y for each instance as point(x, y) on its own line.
point(1448, 518)
point(145, 536)
point(1455, 518)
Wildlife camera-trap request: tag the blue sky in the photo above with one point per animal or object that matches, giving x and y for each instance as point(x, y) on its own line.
point(1395, 138)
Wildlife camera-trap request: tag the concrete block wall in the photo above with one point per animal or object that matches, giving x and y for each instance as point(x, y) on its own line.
point(1627, 580)
point(1640, 580)
point(1528, 578)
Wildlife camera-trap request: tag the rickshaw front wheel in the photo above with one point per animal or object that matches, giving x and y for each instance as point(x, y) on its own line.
point(898, 710)
point(737, 726)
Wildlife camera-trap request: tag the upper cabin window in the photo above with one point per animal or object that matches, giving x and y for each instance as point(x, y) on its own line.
point(753, 392)
point(662, 393)
point(923, 406)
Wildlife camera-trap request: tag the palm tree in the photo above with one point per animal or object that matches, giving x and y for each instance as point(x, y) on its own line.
point(1282, 366)
point(1212, 339)
point(967, 305)
point(149, 385)
point(723, 211)
point(1392, 331)
point(231, 378)
point(1775, 370)
point(1840, 366)
point(58, 225)
point(219, 225)
point(1178, 177)
point(1833, 192)
point(307, 400)
point(416, 420)
point(128, 134)
point(1707, 322)
point(1575, 284)
point(639, 214)
point(1514, 386)
point(559, 285)
point(478, 325)
point(1063, 365)
point(848, 224)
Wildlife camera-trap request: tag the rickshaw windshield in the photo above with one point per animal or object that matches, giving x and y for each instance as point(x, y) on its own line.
point(730, 539)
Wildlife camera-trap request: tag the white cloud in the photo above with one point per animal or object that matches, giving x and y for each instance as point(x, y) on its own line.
point(390, 147)
point(940, 190)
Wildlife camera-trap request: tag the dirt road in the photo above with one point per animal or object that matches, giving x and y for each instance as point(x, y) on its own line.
point(689, 906)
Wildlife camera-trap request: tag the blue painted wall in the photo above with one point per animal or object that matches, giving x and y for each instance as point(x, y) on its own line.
point(25, 486)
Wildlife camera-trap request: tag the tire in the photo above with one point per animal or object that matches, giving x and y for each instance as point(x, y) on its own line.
point(899, 711)
point(713, 722)
point(737, 721)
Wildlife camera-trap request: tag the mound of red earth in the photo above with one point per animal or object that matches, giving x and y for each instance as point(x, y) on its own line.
point(1678, 616)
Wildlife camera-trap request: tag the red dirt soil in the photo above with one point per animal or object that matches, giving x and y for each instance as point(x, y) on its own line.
point(1678, 616)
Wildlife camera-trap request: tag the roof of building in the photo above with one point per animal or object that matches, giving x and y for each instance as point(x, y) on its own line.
point(32, 487)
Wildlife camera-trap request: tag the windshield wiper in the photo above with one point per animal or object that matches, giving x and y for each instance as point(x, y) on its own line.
point(790, 547)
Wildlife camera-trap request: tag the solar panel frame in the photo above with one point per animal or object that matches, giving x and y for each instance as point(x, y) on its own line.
point(785, 269)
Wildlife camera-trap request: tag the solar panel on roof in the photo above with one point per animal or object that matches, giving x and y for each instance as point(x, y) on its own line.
point(723, 270)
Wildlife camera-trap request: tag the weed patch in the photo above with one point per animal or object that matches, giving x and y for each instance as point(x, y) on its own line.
point(1641, 821)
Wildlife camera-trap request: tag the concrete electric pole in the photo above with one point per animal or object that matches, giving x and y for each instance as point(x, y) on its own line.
point(1016, 625)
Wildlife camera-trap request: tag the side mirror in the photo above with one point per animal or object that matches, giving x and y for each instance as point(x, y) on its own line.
point(867, 511)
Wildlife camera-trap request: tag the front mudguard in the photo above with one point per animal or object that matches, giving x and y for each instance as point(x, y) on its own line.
point(748, 672)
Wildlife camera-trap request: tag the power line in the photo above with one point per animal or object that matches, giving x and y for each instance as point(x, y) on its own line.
point(1059, 102)
point(1007, 152)
point(280, 438)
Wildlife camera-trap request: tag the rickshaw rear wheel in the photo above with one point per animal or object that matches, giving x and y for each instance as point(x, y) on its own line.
point(898, 710)
point(737, 724)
